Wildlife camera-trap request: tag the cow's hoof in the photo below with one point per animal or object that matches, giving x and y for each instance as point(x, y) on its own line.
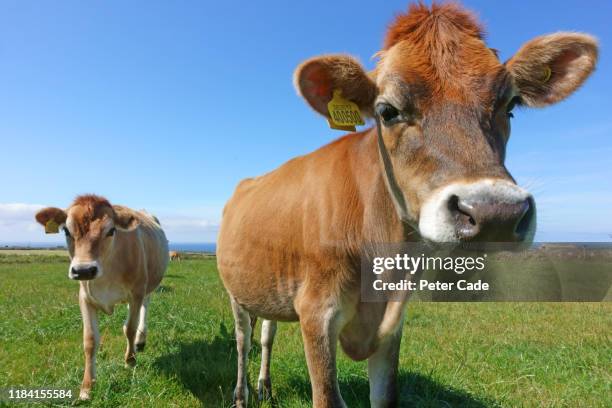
point(85, 395)
point(239, 403)
point(130, 362)
point(264, 390)
point(140, 346)
point(241, 397)
point(85, 390)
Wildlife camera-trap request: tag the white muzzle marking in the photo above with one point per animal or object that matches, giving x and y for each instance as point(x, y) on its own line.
point(436, 222)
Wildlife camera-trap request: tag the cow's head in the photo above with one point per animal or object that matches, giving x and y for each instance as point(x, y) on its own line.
point(90, 225)
point(445, 101)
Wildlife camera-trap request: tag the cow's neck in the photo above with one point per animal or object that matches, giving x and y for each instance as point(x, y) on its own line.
point(388, 174)
point(124, 256)
point(383, 221)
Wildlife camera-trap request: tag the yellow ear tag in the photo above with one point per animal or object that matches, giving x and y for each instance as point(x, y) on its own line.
point(344, 114)
point(547, 74)
point(51, 227)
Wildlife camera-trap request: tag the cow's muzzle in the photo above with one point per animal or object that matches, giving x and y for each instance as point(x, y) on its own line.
point(84, 272)
point(490, 210)
point(489, 220)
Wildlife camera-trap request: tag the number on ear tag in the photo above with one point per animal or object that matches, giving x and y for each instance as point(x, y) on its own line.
point(51, 227)
point(343, 114)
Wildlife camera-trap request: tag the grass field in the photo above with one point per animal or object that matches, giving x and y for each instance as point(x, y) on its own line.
point(453, 354)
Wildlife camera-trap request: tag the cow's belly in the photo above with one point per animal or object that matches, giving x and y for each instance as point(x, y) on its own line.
point(155, 275)
point(262, 293)
point(268, 278)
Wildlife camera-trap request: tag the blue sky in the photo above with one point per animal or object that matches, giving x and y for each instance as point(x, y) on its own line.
point(167, 105)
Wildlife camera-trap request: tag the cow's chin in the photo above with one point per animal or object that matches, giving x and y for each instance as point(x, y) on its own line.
point(82, 278)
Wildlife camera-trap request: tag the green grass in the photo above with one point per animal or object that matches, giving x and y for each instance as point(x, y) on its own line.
point(453, 354)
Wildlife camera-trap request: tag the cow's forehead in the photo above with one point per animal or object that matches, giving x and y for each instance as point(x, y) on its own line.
point(464, 71)
point(84, 218)
point(440, 50)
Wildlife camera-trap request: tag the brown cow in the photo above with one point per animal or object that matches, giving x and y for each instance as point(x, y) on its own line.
point(119, 255)
point(290, 240)
point(175, 256)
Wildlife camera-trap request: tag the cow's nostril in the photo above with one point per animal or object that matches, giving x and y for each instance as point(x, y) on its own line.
point(524, 222)
point(466, 210)
point(462, 213)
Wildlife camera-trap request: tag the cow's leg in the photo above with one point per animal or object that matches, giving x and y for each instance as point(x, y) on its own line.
point(130, 327)
point(91, 341)
point(264, 385)
point(141, 331)
point(320, 326)
point(382, 372)
point(243, 329)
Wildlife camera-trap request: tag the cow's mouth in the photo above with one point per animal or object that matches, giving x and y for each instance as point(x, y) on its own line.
point(83, 276)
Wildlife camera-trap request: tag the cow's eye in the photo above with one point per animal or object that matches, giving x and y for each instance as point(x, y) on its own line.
point(511, 105)
point(389, 114)
point(111, 232)
point(66, 232)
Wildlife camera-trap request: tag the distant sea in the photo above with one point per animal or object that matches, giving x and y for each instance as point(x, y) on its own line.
point(208, 247)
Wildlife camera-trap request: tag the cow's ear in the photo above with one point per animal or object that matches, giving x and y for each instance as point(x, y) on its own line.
point(124, 218)
point(317, 78)
point(51, 218)
point(548, 69)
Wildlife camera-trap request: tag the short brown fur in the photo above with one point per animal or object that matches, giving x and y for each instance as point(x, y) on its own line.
point(130, 252)
point(443, 48)
point(290, 240)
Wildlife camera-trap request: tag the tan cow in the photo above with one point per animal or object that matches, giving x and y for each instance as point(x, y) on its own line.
point(119, 255)
point(290, 240)
point(175, 256)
